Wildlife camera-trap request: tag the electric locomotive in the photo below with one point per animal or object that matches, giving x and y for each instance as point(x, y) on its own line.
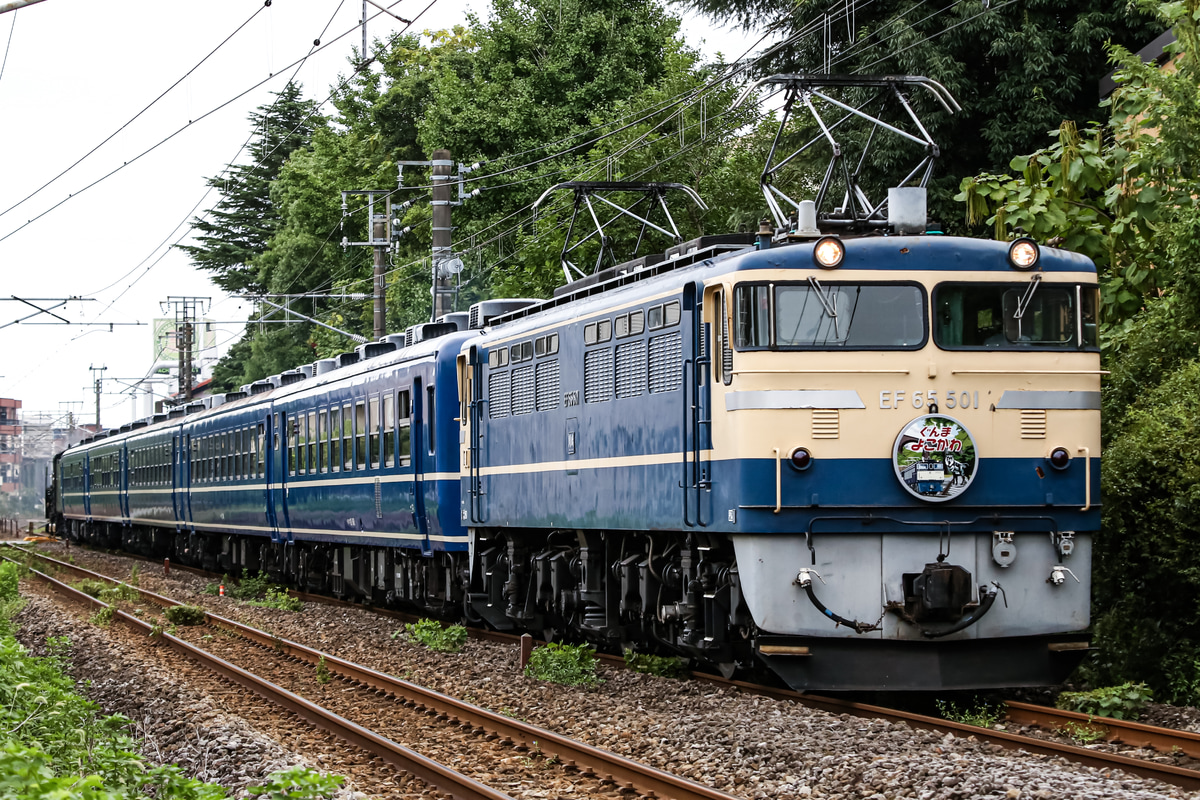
point(870, 463)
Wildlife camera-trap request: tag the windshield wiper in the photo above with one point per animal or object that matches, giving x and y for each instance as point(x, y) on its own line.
point(828, 302)
point(1026, 299)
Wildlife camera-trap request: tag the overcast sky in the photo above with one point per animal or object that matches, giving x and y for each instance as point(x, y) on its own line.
point(75, 72)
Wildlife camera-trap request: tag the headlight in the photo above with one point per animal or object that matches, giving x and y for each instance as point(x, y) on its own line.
point(829, 252)
point(1023, 253)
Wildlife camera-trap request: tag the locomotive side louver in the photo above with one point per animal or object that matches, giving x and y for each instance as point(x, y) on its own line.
point(1033, 423)
point(826, 423)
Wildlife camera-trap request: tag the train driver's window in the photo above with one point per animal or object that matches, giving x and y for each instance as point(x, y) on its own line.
point(404, 428)
point(360, 434)
point(389, 429)
point(335, 439)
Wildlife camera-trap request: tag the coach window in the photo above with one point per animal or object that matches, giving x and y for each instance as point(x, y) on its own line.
point(430, 416)
point(230, 455)
point(373, 429)
point(312, 442)
point(404, 428)
point(347, 437)
point(360, 434)
point(261, 462)
point(289, 441)
point(323, 440)
point(248, 452)
point(389, 429)
point(335, 439)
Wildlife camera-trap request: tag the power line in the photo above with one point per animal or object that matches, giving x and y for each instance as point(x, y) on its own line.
point(9, 45)
point(190, 123)
point(130, 121)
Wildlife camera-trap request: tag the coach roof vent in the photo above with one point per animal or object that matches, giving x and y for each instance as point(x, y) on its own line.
point(346, 359)
point(176, 413)
point(141, 423)
point(323, 365)
point(245, 389)
point(373, 349)
point(291, 376)
point(128, 426)
point(195, 408)
point(460, 319)
point(483, 312)
point(307, 369)
point(430, 330)
point(161, 417)
point(258, 387)
point(231, 396)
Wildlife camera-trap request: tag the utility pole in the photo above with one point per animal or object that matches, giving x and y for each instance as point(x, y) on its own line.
point(442, 253)
point(380, 241)
point(98, 384)
point(187, 310)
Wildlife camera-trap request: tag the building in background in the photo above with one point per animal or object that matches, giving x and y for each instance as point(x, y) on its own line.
point(10, 446)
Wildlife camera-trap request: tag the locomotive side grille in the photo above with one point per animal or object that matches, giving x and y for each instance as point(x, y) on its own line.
point(1033, 423)
point(598, 375)
point(522, 390)
point(548, 393)
point(631, 369)
point(499, 394)
point(473, 322)
point(726, 349)
point(826, 423)
point(666, 362)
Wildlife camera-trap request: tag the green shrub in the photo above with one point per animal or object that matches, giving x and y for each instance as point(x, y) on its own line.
point(570, 665)
point(298, 783)
point(103, 616)
point(662, 666)
point(431, 634)
point(982, 714)
point(250, 587)
point(1119, 702)
point(280, 599)
point(134, 575)
point(185, 615)
point(323, 673)
point(91, 587)
point(121, 592)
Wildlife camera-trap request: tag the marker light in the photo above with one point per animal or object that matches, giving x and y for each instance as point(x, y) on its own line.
point(1023, 253)
point(1060, 458)
point(829, 252)
point(801, 459)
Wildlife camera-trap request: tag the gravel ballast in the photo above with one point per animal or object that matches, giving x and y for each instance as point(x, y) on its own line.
point(752, 747)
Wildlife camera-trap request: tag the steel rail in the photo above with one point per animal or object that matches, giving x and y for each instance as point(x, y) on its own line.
point(435, 775)
point(1136, 734)
point(627, 773)
point(1130, 733)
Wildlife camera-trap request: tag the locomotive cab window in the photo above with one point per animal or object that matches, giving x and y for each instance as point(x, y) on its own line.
point(1015, 316)
point(817, 315)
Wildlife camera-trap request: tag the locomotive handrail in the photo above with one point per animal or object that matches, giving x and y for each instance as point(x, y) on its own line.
point(1087, 478)
point(778, 480)
point(1027, 371)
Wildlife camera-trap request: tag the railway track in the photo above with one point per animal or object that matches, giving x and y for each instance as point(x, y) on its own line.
point(427, 716)
point(1132, 734)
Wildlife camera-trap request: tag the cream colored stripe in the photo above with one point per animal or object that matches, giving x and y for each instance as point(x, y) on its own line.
point(593, 463)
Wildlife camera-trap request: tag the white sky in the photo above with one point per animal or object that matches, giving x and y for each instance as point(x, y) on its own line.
point(76, 71)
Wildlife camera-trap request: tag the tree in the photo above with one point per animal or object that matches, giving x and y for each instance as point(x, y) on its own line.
point(1017, 68)
point(1124, 194)
point(235, 231)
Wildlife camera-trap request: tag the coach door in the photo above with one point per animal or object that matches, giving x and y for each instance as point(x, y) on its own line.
point(420, 462)
point(276, 481)
point(123, 482)
point(696, 434)
point(470, 387)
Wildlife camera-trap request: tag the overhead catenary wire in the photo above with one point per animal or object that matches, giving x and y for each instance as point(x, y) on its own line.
point(190, 123)
point(132, 119)
point(8, 46)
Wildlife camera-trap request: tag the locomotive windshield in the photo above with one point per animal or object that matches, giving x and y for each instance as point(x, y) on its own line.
point(1015, 316)
point(817, 315)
